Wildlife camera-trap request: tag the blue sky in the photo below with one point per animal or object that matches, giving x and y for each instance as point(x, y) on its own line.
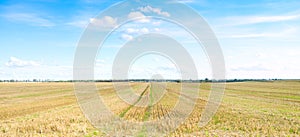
point(259, 38)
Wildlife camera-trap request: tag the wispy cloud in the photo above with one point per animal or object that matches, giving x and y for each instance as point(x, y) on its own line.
point(105, 22)
point(91, 1)
point(29, 18)
point(289, 32)
point(250, 68)
point(186, 1)
point(15, 62)
point(2, 71)
point(78, 23)
point(39, 72)
point(247, 20)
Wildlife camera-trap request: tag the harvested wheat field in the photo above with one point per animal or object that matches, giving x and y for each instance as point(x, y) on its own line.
point(248, 109)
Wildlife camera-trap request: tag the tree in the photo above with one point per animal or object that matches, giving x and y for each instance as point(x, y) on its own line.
point(206, 79)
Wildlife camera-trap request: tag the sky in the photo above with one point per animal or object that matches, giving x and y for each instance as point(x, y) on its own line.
point(259, 38)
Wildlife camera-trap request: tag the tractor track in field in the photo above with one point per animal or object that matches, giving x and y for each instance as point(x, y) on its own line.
point(127, 109)
point(150, 106)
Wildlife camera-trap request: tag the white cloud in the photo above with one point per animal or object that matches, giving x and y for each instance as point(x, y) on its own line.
point(149, 9)
point(39, 72)
point(100, 61)
point(140, 16)
point(157, 29)
point(132, 30)
point(156, 23)
point(144, 30)
point(15, 62)
point(127, 37)
point(130, 33)
point(29, 18)
point(135, 14)
point(105, 22)
point(137, 31)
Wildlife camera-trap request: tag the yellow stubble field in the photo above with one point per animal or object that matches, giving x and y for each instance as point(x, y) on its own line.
point(248, 109)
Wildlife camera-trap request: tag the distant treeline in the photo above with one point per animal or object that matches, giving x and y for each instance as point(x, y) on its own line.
point(144, 80)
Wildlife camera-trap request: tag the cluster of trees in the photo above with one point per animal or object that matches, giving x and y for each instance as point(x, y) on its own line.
point(33, 80)
point(142, 80)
